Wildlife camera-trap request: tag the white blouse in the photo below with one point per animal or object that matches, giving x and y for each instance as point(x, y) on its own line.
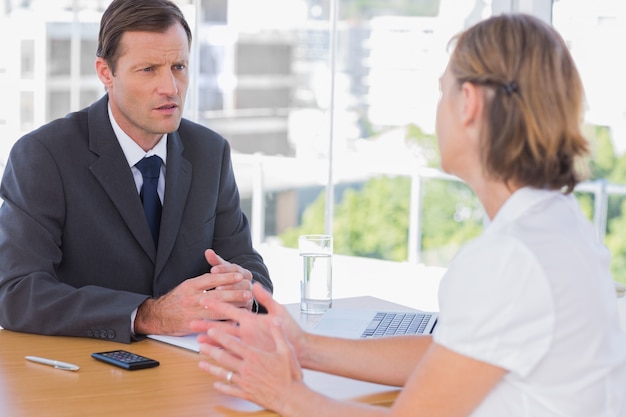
point(534, 295)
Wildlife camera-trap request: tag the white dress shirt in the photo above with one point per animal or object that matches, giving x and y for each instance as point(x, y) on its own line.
point(134, 154)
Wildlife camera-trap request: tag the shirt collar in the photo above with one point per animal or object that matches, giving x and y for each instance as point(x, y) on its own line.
point(132, 151)
point(519, 203)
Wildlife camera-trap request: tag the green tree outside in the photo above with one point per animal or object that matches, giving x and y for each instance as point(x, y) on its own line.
point(373, 220)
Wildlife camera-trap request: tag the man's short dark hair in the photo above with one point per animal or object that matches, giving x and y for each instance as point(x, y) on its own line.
point(135, 16)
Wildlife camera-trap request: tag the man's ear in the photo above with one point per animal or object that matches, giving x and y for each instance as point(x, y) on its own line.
point(473, 103)
point(104, 72)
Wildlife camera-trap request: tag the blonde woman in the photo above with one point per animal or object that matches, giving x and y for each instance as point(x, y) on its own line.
point(528, 321)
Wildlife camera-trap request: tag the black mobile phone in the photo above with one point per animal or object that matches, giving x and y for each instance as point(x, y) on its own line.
point(124, 359)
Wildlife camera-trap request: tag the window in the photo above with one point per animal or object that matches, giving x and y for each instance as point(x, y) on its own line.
point(328, 106)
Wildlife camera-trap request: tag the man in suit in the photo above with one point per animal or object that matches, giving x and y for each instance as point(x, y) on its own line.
point(77, 254)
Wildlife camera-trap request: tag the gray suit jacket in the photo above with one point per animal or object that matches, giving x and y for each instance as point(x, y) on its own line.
point(76, 254)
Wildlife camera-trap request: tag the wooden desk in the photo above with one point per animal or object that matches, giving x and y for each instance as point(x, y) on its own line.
point(176, 388)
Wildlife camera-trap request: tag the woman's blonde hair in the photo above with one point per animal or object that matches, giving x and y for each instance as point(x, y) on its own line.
point(535, 107)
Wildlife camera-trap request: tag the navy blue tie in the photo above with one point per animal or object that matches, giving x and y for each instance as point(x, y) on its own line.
point(150, 170)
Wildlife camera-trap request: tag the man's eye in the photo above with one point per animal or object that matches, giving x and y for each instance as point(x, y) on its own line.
point(148, 69)
point(179, 67)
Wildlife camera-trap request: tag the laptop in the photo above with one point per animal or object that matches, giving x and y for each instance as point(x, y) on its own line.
point(359, 323)
point(189, 342)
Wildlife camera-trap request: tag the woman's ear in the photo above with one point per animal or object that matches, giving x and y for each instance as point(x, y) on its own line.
point(472, 103)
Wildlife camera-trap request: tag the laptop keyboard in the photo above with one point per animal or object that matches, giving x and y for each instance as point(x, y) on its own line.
point(394, 324)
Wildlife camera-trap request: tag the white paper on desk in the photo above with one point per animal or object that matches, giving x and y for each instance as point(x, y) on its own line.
point(332, 386)
point(189, 342)
point(341, 388)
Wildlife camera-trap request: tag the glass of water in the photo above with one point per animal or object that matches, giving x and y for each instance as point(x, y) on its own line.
point(316, 282)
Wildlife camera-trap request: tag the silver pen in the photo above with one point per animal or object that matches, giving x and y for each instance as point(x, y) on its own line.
point(51, 362)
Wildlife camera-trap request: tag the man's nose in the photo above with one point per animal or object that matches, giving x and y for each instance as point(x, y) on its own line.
point(167, 84)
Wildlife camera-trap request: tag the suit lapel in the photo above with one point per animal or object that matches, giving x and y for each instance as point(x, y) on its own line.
point(177, 185)
point(112, 171)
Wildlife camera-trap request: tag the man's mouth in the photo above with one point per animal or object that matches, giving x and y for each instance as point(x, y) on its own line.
point(168, 106)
